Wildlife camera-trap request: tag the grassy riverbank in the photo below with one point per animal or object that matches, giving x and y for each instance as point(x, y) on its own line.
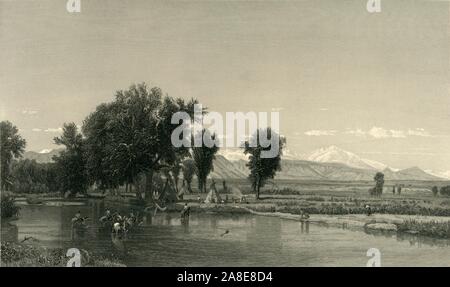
point(415, 212)
point(23, 255)
point(432, 228)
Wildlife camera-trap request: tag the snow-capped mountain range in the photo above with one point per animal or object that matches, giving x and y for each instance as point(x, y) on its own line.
point(327, 154)
point(329, 163)
point(335, 154)
point(332, 163)
point(235, 154)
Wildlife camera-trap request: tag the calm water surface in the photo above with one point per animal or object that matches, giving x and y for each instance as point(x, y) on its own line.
point(250, 241)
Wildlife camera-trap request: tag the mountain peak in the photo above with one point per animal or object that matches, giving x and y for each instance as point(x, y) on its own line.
point(43, 156)
point(413, 168)
point(338, 155)
point(233, 154)
point(333, 147)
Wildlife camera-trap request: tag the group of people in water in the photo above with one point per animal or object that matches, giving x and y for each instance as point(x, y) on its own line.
point(115, 222)
point(119, 224)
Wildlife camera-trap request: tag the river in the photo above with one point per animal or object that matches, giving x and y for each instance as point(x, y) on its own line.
point(222, 240)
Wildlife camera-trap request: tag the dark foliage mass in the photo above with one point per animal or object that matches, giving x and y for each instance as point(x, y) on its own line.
point(12, 146)
point(203, 158)
point(31, 177)
point(130, 138)
point(379, 184)
point(70, 163)
point(8, 207)
point(262, 169)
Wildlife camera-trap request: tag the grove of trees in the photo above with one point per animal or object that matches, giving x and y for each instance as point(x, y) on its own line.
point(31, 177)
point(126, 142)
point(130, 138)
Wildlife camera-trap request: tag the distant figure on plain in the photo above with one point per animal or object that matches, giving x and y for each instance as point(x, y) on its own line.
point(368, 210)
point(304, 215)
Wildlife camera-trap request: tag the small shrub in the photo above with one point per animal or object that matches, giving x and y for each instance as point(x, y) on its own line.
point(445, 190)
point(445, 202)
point(8, 206)
point(22, 255)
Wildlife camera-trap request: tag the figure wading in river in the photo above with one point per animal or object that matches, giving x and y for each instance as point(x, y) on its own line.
point(185, 214)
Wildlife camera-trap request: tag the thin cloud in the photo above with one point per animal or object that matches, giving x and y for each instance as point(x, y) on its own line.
point(419, 132)
point(380, 133)
point(405, 153)
point(29, 112)
point(397, 134)
point(278, 109)
point(320, 133)
point(357, 132)
point(53, 130)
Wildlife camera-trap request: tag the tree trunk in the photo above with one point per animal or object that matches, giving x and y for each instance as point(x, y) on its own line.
point(200, 185)
point(258, 185)
point(138, 186)
point(205, 188)
point(175, 180)
point(148, 185)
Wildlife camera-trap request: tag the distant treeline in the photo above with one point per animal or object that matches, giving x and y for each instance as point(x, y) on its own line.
point(28, 176)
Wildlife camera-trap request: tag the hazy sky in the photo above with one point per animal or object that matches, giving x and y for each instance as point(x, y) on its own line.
point(374, 84)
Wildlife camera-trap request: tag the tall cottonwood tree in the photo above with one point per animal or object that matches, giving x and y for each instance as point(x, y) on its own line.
point(12, 146)
point(70, 163)
point(377, 190)
point(262, 169)
point(203, 157)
